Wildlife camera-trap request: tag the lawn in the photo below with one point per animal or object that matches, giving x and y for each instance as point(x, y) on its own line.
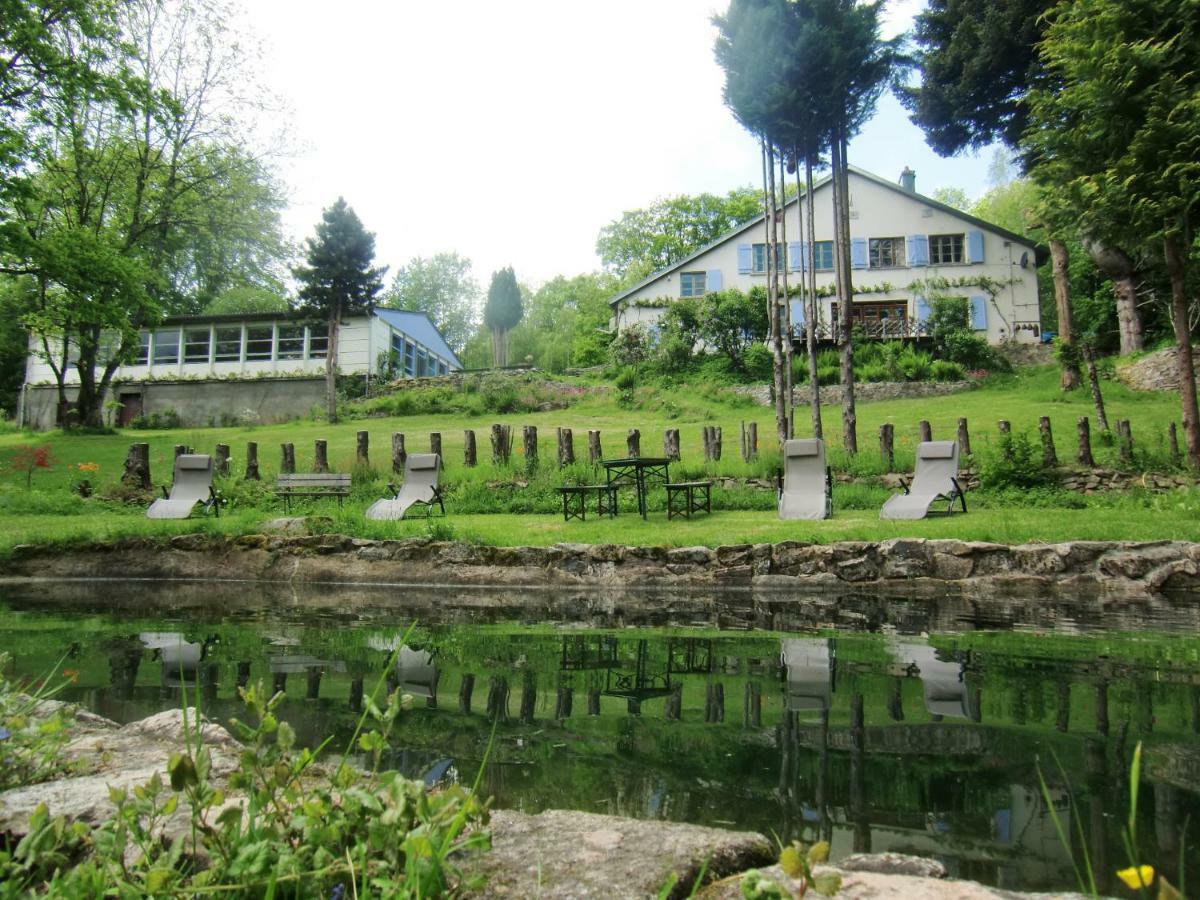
point(508, 506)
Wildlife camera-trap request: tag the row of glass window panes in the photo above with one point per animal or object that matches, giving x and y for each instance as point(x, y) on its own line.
point(233, 343)
point(884, 253)
point(417, 361)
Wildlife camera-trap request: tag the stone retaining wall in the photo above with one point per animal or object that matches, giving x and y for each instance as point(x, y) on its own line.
point(864, 391)
point(910, 566)
point(1154, 372)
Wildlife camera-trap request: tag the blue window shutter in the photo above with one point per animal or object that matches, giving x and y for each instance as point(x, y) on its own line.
point(858, 253)
point(975, 246)
point(979, 312)
point(804, 248)
point(744, 259)
point(797, 312)
point(794, 252)
point(918, 250)
point(712, 280)
point(924, 308)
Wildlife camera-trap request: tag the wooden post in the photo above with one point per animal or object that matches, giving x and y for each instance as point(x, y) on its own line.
point(137, 467)
point(465, 687)
point(529, 440)
point(1005, 426)
point(356, 694)
point(964, 438)
point(743, 442)
point(469, 453)
point(594, 453)
point(633, 443)
point(435, 442)
point(398, 453)
point(528, 698)
point(563, 704)
point(706, 441)
point(1125, 440)
point(252, 461)
point(671, 444)
point(673, 707)
point(180, 449)
point(925, 430)
point(1049, 456)
point(287, 465)
point(593, 702)
point(221, 460)
point(320, 456)
point(714, 702)
point(1085, 443)
point(751, 441)
point(887, 448)
point(497, 702)
point(717, 443)
point(314, 683)
point(1173, 442)
point(752, 708)
point(1005, 430)
point(501, 444)
point(1102, 707)
point(362, 449)
point(566, 447)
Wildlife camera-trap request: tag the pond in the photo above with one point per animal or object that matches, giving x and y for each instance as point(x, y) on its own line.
point(879, 724)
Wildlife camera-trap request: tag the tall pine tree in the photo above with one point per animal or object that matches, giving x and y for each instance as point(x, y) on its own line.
point(502, 312)
point(338, 280)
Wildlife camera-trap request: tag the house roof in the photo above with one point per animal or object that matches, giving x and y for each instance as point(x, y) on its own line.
point(1040, 252)
point(419, 327)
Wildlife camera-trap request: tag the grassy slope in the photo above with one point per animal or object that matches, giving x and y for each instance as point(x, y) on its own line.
point(1021, 400)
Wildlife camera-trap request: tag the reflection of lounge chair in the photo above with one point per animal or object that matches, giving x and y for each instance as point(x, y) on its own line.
point(810, 667)
point(416, 673)
point(945, 687)
point(420, 486)
point(805, 489)
point(192, 485)
point(180, 658)
point(935, 478)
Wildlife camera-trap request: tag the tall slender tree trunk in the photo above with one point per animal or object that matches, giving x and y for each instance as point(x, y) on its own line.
point(785, 308)
point(776, 337)
point(331, 365)
point(1175, 251)
point(841, 212)
point(813, 314)
point(1060, 259)
point(1116, 264)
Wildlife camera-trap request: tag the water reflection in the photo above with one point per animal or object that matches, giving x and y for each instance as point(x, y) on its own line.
point(876, 724)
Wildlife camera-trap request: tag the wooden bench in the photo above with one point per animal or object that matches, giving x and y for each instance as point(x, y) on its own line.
point(687, 497)
point(574, 500)
point(325, 484)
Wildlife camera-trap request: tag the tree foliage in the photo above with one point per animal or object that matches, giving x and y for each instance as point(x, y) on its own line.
point(978, 60)
point(502, 312)
point(442, 287)
point(645, 240)
point(338, 279)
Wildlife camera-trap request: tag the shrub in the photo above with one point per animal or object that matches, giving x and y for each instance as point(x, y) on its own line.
point(829, 375)
point(1015, 463)
point(945, 370)
point(164, 419)
point(759, 362)
point(914, 365)
point(872, 372)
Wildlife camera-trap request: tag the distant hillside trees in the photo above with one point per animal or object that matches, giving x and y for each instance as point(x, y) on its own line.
point(442, 286)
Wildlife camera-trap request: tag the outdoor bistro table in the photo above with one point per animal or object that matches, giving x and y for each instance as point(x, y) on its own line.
point(635, 471)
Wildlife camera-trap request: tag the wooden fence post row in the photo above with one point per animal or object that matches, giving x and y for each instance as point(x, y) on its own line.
point(529, 440)
point(469, 452)
point(320, 456)
point(566, 447)
point(399, 455)
point(887, 448)
point(362, 449)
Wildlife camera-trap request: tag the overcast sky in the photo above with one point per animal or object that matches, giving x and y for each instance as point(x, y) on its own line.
point(512, 132)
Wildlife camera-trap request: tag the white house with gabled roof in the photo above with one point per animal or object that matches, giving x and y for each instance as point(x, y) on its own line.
point(906, 250)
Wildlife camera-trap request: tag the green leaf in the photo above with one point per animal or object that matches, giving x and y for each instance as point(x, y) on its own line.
point(791, 861)
point(827, 883)
point(182, 771)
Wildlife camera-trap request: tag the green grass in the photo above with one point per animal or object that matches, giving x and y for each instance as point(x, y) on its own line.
point(520, 514)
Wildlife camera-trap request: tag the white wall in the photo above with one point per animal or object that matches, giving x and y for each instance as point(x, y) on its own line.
point(877, 212)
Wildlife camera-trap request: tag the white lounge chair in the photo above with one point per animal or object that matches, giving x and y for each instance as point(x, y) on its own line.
point(193, 485)
point(805, 491)
point(421, 471)
point(944, 683)
point(935, 478)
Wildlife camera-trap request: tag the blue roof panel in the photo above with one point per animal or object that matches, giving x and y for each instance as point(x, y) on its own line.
point(418, 327)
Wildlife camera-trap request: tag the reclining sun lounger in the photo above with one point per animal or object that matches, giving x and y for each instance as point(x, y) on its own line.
point(420, 486)
point(805, 492)
point(193, 484)
point(935, 478)
point(944, 681)
point(810, 665)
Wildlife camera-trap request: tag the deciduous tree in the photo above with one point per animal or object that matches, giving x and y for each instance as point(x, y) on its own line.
point(441, 286)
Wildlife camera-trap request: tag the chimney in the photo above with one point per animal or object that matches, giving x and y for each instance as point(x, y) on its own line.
point(908, 180)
